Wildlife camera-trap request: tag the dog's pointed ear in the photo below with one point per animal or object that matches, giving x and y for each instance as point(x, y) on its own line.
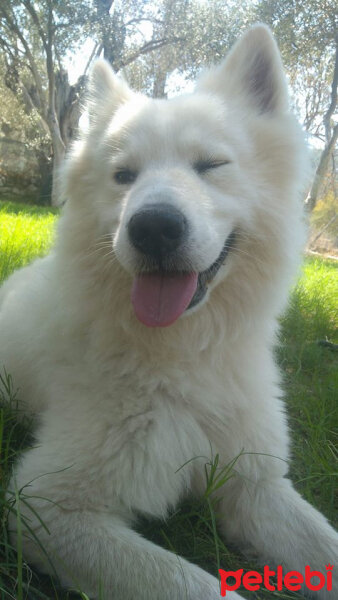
point(252, 72)
point(106, 91)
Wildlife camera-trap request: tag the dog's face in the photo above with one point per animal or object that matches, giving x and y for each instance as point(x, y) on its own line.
point(176, 174)
point(176, 183)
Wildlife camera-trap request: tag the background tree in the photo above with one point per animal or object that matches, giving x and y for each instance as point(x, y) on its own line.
point(307, 33)
point(204, 32)
point(38, 37)
point(159, 46)
point(35, 38)
point(24, 143)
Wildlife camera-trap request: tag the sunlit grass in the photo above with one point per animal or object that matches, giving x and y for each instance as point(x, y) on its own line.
point(26, 232)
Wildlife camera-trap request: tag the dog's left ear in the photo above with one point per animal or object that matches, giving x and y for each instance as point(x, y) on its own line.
point(106, 92)
point(252, 72)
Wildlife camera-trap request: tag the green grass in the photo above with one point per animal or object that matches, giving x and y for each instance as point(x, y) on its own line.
point(311, 381)
point(26, 232)
point(311, 386)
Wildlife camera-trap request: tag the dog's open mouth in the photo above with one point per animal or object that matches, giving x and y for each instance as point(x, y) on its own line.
point(161, 297)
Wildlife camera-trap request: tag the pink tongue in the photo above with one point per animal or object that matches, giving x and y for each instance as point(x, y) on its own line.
point(159, 300)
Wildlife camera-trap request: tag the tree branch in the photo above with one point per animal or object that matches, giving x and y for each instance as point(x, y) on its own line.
point(90, 59)
point(330, 111)
point(321, 171)
point(14, 28)
point(149, 47)
point(58, 144)
point(7, 49)
point(30, 8)
point(142, 19)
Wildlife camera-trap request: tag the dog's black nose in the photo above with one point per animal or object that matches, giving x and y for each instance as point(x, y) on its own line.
point(157, 229)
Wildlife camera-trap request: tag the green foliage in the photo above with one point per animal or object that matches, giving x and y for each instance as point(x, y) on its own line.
point(15, 122)
point(311, 385)
point(324, 212)
point(306, 33)
point(159, 45)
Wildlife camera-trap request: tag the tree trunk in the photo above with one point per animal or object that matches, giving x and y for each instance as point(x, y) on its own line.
point(321, 171)
point(59, 152)
point(46, 177)
point(160, 81)
point(68, 105)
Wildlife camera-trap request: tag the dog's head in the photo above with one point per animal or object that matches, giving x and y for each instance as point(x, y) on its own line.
point(183, 186)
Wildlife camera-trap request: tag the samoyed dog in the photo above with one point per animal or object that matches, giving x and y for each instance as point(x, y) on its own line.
point(144, 341)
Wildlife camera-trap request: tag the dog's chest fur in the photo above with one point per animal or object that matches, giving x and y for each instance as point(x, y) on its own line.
point(139, 444)
point(145, 456)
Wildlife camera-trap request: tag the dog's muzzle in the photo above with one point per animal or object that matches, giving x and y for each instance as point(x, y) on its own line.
point(157, 230)
point(206, 277)
point(166, 287)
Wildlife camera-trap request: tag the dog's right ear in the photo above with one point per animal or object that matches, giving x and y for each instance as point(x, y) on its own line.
point(252, 74)
point(106, 91)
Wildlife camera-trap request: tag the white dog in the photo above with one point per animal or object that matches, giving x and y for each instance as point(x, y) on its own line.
point(145, 338)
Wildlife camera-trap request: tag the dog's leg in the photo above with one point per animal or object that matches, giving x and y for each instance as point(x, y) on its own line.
point(271, 518)
point(260, 509)
point(98, 553)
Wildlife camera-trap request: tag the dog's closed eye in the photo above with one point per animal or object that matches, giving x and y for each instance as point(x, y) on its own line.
point(203, 165)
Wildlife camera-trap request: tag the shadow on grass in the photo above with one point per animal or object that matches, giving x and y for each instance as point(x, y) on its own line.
point(16, 208)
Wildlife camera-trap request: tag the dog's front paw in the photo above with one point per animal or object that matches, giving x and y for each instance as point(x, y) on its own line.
point(208, 587)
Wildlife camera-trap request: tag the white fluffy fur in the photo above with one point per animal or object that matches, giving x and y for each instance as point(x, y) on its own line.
point(122, 406)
